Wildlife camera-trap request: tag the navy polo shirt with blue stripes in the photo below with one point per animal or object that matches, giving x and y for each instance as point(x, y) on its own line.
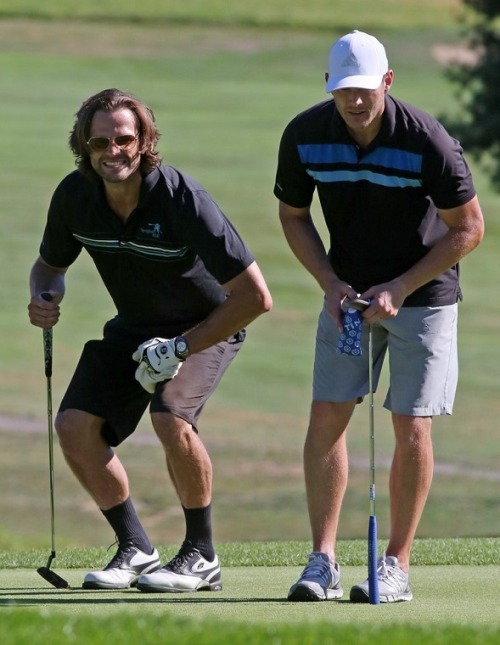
point(165, 266)
point(379, 203)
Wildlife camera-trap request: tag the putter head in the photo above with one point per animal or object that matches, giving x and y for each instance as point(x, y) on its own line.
point(53, 578)
point(355, 303)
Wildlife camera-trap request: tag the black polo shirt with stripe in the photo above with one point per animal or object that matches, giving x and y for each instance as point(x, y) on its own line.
point(164, 268)
point(379, 203)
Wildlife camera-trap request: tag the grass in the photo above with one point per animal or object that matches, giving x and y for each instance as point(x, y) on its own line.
point(252, 607)
point(30, 627)
point(222, 97)
point(279, 553)
point(317, 14)
point(258, 492)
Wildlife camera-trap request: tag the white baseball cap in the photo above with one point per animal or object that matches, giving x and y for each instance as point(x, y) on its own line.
point(356, 60)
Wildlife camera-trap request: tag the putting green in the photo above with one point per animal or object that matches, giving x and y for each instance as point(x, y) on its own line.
point(443, 594)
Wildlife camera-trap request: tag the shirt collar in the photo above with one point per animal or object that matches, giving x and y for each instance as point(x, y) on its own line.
point(148, 183)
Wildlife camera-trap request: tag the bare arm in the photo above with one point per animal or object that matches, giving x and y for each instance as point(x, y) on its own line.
point(306, 244)
point(466, 229)
point(248, 298)
point(45, 278)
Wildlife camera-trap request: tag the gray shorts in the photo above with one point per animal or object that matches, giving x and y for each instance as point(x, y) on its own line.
point(423, 366)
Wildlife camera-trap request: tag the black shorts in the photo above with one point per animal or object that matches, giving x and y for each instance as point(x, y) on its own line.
point(104, 384)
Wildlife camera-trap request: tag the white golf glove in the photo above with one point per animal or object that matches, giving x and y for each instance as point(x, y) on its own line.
point(157, 362)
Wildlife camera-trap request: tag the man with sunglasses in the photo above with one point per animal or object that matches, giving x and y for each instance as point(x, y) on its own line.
point(185, 286)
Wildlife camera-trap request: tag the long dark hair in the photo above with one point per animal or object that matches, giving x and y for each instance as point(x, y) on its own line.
point(108, 101)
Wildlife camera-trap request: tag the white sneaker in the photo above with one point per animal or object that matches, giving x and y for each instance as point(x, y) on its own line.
point(123, 570)
point(392, 583)
point(188, 571)
point(320, 580)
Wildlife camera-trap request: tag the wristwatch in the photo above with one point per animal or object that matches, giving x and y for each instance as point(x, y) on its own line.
point(181, 349)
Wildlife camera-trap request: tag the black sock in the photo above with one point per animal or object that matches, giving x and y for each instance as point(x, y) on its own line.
point(199, 531)
point(127, 527)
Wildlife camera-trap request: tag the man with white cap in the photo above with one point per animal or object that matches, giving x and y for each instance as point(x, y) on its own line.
point(401, 211)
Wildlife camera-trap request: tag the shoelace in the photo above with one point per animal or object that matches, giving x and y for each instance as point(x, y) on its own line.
point(389, 574)
point(319, 569)
point(179, 560)
point(120, 555)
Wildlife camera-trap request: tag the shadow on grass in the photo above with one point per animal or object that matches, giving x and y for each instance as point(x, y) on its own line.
point(28, 597)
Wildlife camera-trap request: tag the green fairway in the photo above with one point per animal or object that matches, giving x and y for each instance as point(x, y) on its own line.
point(257, 596)
point(455, 585)
point(319, 14)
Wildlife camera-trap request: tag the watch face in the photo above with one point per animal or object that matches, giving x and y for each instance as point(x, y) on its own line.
point(181, 346)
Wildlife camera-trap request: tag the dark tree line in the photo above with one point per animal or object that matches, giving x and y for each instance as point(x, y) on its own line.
point(478, 127)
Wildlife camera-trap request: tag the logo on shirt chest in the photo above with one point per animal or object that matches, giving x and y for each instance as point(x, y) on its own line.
point(151, 230)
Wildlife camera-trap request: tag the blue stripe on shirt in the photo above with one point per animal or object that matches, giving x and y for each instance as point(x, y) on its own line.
point(391, 181)
point(338, 153)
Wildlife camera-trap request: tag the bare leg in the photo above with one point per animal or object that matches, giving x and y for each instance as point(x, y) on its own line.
point(93, 462)
point(326, 470)
point(188, 462)
point(410, 482)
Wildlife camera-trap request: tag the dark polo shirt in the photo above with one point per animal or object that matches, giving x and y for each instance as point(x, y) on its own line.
point(379, 203)
point(165, 266)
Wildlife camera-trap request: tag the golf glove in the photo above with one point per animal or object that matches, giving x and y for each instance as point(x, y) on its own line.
point(157, 362)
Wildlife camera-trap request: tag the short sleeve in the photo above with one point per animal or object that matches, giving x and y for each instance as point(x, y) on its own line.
point(446, 175)
point(293, 185)
point(59, 247)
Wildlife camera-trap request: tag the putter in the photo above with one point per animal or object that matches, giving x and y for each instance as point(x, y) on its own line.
point(373, 591)
point(47, 574)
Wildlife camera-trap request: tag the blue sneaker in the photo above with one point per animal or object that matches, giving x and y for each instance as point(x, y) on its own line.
point(320, 580)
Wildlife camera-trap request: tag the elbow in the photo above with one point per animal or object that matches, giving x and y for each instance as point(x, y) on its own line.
point(268, 304)
point(478, 228)
point(480, 233)
point(265, 302)
point(475, 237)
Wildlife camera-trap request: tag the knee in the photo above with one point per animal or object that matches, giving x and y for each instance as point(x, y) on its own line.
point(76, 430)
point(64, 425)
point(171, 430)
point(413, 433)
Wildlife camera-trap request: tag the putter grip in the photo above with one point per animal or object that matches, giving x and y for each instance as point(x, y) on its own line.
point(47, 342)
point(373, 593)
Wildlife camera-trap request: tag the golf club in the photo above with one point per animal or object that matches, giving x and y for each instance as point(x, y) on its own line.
point(46, 572)
point(373, 591)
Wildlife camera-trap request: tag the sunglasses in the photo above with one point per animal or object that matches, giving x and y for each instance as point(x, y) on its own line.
point(98, 144)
